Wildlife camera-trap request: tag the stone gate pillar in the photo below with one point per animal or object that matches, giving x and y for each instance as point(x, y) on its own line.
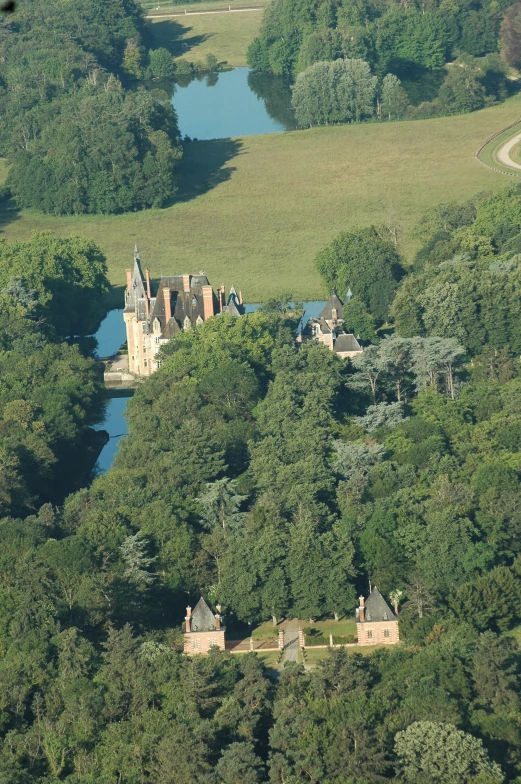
point(301, 638)
point(281, 639)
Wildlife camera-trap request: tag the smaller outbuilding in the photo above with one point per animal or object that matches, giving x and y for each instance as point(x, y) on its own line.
point(203, 629)
point(328, 329)
point(376, 623)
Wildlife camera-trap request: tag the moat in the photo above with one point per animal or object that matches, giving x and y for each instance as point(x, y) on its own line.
point(110, 337)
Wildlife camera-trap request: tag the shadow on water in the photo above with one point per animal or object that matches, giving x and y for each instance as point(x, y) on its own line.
point(204, 166)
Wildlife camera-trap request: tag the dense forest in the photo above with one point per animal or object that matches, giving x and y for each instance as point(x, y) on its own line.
point(76, 140)
point(275, 479)
point(405, 41)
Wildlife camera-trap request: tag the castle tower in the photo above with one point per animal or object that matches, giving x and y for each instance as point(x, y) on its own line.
point(203, 629)
point(376, 623)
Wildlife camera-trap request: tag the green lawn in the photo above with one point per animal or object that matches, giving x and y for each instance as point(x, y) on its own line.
point(488, 154)
point(226, 35)
point(268, 658)
point(515, 633)
point(151, 8)
point(254, 211)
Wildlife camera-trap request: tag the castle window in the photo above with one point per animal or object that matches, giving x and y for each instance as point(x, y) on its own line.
point(158, 364)
point(212, 643)
point(145, 363)
point(386, 633)
point(369, 634)
point(386, 617)
point(157, 340)
point(195, 643)
point(144, 326)
point(144, 349)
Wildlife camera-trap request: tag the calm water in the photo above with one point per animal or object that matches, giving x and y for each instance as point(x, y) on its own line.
point(233, 103)
point(110, 337)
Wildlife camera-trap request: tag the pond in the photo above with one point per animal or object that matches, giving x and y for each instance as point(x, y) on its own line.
point(110, 336)
point(233, 103)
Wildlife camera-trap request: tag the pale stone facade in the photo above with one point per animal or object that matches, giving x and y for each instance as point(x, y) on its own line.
point(328, 329)
point(203, 630)
point(181, 302)
point(376, 623)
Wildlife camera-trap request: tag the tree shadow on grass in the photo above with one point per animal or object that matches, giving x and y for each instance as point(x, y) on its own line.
point(169, 35)
point(9, 212)
point(204, 166)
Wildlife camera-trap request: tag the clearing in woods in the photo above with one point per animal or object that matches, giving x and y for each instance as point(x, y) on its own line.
point(254, 211)
point(226, 35)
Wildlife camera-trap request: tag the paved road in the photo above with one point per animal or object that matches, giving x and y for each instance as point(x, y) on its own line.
point(291, 645)
point(203, 13)
point(503, 154)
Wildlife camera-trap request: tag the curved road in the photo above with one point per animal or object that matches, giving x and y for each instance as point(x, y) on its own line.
point(503, 154)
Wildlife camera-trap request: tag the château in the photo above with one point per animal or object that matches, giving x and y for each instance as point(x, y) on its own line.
point(179, 303)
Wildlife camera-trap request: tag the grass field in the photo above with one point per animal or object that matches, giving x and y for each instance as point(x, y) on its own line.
point(226, 35)
point(488, 154)
point(254, 211)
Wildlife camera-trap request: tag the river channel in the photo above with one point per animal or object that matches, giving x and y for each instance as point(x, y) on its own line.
point(110, 337)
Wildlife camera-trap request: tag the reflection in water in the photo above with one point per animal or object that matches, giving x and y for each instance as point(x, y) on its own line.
point(275, 91)
point(232, 103)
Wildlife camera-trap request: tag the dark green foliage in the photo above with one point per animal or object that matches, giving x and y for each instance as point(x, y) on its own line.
point(246, 477)
point(401, 39)
point(367, 264)
point(468, 280)
point(76, 140)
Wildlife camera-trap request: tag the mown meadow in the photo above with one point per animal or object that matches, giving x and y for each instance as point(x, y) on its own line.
point(255, 211)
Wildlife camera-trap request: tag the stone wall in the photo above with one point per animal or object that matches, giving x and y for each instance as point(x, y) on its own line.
point(378, 633)
point(201, 642)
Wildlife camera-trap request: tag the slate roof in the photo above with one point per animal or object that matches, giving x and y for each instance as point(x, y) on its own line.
point(377, 609)
point(327, 310)
point(203, 620)
point(137, 287)
point(347, 343)
point(233, 306)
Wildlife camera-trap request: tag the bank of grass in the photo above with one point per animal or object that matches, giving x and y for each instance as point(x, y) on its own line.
point(151, 6)
point(489, 153)
point(266, 204)
point(225, 35)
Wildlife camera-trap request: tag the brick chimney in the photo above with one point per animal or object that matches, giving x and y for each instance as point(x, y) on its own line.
point(240, 298)
point(207, 302)
point(188, 619)
point(129, 280)
point(396, 606)
point(222, 293)
point(186, 284)
point(218, 617)
point(361, 613)
point(168, 305)
point(149, 290)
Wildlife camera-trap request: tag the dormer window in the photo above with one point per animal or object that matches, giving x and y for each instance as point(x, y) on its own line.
point(156, 325)
point(194, 302)
point(386, 617)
